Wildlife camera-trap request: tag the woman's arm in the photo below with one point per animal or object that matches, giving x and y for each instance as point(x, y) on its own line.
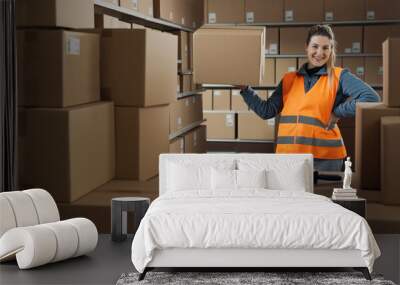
point(352, 90)
point(266, 109)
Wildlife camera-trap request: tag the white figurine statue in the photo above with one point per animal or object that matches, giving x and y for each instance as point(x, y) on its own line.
point(347, 174)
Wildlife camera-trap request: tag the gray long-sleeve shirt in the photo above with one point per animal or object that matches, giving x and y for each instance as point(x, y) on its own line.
point(350, 91)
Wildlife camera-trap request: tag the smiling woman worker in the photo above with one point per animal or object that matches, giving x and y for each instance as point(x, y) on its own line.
point(310, 102)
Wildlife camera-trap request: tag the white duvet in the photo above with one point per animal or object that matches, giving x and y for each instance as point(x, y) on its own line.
point(250, 218)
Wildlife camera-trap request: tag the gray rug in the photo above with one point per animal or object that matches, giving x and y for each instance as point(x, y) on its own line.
point(270, 278)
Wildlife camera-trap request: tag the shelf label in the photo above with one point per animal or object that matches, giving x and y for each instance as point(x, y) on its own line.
point(179, 121)
point(217, 93)
point(356, 47)
point(150, 11)
point(212, 18)
point(183, 20)
point(171, 15)
point(271, 122)
point(360, 70)
point(235, 93)
point(250, 17)
point(273, 48)
point(329, 16)
point(370, 15)
point(187, 102)
point(229, 120)
point(135, 4)
point(194, 25)
point(380, 70)
point(289, 15)
point(291, 68)
point(73, 46)
point(347, 50)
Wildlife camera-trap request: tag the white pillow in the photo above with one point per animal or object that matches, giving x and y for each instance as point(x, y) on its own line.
point(236, 179)
point(281, 174)
point(223, 179)
point(183, 177)
point(251, 178)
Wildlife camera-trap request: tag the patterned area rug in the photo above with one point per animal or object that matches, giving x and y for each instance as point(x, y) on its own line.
point(270, 278)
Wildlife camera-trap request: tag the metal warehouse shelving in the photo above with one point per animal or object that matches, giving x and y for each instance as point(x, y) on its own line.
point(190, 93)
point(131, 16)
point(333, 23)
point(186, 129)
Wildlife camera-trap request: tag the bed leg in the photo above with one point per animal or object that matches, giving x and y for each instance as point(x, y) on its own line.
point(364, 271)
point(143, 274)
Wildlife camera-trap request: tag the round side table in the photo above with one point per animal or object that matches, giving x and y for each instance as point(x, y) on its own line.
point(119, 208)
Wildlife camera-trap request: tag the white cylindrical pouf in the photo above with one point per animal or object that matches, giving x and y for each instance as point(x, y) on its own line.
point(23, 207)
point(7, 218)
point(45, 205)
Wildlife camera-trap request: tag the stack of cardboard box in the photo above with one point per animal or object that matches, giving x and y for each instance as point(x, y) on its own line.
point(66, 135)
point(377, 135)
point(188, 13)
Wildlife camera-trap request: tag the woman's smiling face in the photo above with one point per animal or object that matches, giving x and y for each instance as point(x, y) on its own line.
point(318, 51)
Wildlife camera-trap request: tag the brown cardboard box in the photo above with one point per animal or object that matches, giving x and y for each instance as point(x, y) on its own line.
point(348, 38)
point(177, 145)
point(355, 65)
point(376, 11)
point(75, 14)
point(225, 11)
point(391, 63)
point(57, 68)
point(185, 83)
point(184, 112)
point(344, 10)
point(303, 10)
point(207, 99)
point(272, 40)
point(198, 13)
point(293, 40)
point(284, 65)
point(241, 63)
point(252, 127)
point(195, 140)
point(368, 116)
point(263, 11)
point(146, 7)
point(375, 35)
point(373, 70)
point(221, 100)
point(238, 103)
point(67, 151)
point(220, 125)
point(166, 9)
point(141, 136)
point(108, 22)
point(183, 50)
point(390, 159)
point(131, 63)
point(269, 75)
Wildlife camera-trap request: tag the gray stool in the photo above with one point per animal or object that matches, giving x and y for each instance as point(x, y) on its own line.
point(119, 208)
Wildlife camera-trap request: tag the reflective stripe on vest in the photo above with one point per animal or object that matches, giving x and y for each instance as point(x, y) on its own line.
point(304, 117)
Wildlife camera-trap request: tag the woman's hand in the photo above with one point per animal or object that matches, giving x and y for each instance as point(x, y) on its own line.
point(332, 122)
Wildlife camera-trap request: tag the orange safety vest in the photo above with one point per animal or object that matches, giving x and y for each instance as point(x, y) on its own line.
point(305, 115)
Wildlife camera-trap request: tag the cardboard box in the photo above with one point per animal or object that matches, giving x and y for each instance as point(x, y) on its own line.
point(185, 83)
point(75, 14)
point(303, 10)
point(185, 112)
point(183, 50)
point(199, 13)
point(269, 75)
point(377, 11)
point(263, 11)
point(241, 63)
point(348, 38)
point(207, 99)
point(108, 22)
point(356, 65)
point(272, 40)
point(195, 140)
point(375, 35)
point(220, 125)
point(67, 151)
point(146, 7)
point(374, 70)
point(293, 40)
point(131, 63)
point(284, 65)
point(252, 127)
point(166, 9)
point(57, 68)
point(141, 136)
point(221, 99)
point(177, 145)
point(225, 11)
point(390, 159)
point(343, 10)
point(238, 103)
point(368, 166)
point(391, 63)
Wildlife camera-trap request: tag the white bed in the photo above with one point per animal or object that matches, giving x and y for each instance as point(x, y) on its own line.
point(205, 221)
